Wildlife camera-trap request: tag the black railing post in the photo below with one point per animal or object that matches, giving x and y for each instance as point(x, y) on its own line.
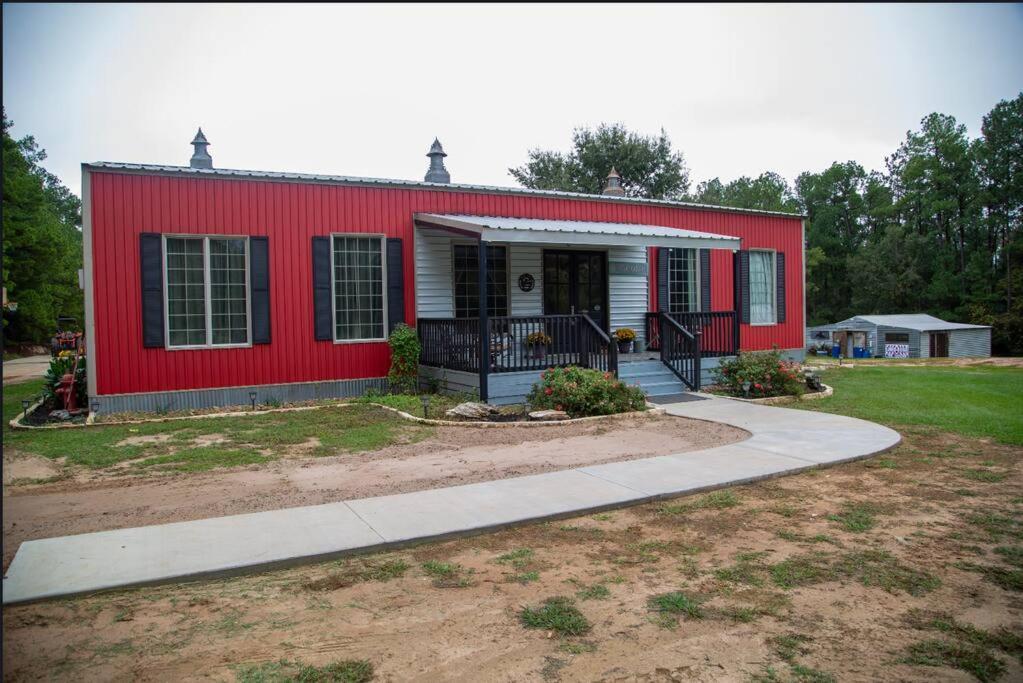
point(484, 322)
point(696, 360)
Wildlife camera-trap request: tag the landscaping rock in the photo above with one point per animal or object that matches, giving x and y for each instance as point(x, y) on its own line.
point(60, 415)
point(472, 411)
point(548, 415)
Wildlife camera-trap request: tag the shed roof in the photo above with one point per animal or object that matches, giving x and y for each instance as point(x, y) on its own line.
point(387, 182)
point(911, 321)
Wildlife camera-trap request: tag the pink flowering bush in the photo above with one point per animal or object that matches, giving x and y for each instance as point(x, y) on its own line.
point(766, 371)
point(581, 392)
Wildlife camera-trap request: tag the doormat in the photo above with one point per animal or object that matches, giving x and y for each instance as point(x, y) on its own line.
point(674, 398)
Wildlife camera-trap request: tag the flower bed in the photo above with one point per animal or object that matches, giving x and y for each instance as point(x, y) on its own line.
point(760, 374)
point(582, 392)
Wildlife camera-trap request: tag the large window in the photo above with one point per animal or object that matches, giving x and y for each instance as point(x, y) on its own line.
point(358, 288)
point(207, 291)
point(466, 268)
point(896, 337)
point(683, 292)
point(762, 309)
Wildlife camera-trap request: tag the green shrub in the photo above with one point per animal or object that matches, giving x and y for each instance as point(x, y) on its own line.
point(581, 392)
point(403, 377)
point(766, 371)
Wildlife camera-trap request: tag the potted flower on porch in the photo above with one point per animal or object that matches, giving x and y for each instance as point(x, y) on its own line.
point(626, 337)
point(538, 343)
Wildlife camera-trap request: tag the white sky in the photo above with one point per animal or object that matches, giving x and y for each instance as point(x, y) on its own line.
point(363, 90)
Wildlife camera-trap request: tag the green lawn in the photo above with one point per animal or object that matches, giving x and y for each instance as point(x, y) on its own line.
point(974, 401)
point(183, 445)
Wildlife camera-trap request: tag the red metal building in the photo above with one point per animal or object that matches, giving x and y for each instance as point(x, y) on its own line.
point(203, 284)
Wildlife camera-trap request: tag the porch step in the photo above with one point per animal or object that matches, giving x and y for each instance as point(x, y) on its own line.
point(652, 376)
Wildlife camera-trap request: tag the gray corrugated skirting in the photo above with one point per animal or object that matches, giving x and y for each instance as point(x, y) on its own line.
point(234, 396)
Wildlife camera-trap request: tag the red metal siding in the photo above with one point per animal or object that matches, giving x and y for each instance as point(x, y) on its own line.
point(290, 214)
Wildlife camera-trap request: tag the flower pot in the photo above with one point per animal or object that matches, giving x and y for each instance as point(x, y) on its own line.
point(539, 351)
point(625, 346)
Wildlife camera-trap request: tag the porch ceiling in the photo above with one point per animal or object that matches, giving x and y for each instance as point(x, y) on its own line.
point(543, 231)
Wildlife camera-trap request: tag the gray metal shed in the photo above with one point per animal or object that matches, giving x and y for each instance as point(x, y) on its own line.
point(911, 335)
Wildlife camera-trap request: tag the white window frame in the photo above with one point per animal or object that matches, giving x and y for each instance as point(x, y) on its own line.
point(333, 286)
point(206, 294)
point(697, 269)
point(773, 289)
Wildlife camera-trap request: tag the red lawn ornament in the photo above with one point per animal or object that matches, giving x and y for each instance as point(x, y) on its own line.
point(66, 389)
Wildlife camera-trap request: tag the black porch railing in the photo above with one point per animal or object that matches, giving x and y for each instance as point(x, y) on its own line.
point(719, 331)
point(680, 350)
point(558, 340)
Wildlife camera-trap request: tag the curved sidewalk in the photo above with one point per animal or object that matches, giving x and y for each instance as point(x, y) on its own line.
point(783, 441)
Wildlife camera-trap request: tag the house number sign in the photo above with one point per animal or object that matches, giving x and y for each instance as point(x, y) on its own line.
point(630, 268)
point(526, 282)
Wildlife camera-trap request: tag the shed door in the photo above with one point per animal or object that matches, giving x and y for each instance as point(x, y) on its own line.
point(939, 344)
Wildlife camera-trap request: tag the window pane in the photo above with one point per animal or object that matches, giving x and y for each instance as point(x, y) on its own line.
point(682, 289)
point(466, 280)
point(186, 295)
point(228, 293)
point(761, 287)
point(358, 288)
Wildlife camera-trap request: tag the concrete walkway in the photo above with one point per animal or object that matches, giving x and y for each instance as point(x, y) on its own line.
point(784, 441)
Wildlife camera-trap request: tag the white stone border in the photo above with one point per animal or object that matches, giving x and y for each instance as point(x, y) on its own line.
point(780, 400)
point(90, 421)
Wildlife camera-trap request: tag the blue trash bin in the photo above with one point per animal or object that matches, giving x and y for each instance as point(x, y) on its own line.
point(836, 350)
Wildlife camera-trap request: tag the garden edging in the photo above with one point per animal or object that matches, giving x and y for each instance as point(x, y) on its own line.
point(780, 400)
point(90, 421)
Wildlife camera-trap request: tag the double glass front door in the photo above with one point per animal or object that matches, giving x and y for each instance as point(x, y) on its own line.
point(575, 282)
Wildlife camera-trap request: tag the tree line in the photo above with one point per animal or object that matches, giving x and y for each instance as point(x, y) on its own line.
point(42, 244)
point(937, 230)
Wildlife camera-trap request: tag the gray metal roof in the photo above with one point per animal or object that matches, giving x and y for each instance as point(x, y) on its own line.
point(910, 321)
point(389, 182)
point(538, 230)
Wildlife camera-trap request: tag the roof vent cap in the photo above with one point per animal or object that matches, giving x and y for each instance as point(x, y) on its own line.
point(200, 157)
point(437, 172)
point(614, 184)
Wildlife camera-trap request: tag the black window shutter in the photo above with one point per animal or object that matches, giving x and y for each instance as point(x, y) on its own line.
point(395, 284)
point(743, 285)
point(259, 279)
point(151, 266)
point(662, 278)
point(322, 318)
point(780, 291)
point(704, 280)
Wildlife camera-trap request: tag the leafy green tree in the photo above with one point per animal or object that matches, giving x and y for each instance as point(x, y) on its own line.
point(648, 165)
point(767, 192)
point(42, 243)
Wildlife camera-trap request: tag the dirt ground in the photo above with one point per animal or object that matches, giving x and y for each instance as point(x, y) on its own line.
point(98, 500)
point(847, 573)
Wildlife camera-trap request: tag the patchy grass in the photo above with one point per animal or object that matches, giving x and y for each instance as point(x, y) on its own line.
point(413, 405)
point(872, 568)
point(447, 574)
point(357, 571)
point(976, 660)
point(856, 517)
point(984, 475)
point(285, 671)
point(998, 526)
point(973, 401)
point(241, 441)
point(517, 558)
point(670, 606)
point(595, 592)
point(558, 614)
point(718, 500)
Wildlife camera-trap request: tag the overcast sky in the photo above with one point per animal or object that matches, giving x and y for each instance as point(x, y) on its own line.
point(363, 90)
